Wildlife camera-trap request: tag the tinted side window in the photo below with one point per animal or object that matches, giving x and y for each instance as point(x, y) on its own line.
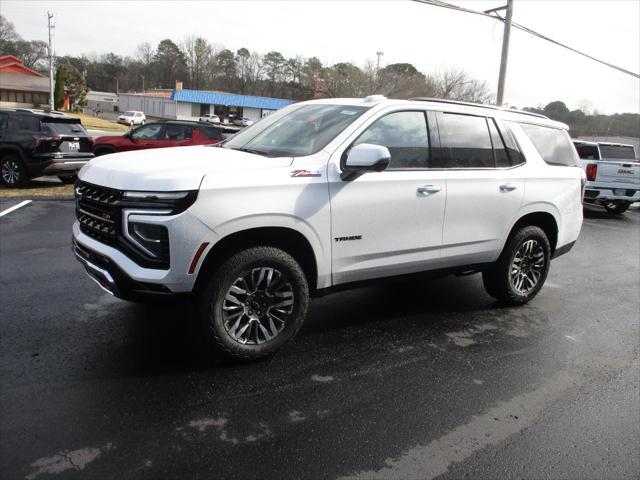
point(499, 149)
point(177, 132)
point(553, 144)
point(467, 140)
point(23, 123)
point(212, 133)
point(405, 135)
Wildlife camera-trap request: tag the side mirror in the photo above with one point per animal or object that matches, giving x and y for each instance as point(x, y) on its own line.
point(364, 158)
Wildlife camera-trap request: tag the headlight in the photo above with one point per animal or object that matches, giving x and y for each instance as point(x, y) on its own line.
point(174, 202)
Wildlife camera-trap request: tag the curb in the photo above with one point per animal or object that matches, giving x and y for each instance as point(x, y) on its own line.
point(48, 198)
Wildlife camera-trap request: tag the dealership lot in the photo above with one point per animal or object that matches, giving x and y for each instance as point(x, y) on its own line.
point(410, 380)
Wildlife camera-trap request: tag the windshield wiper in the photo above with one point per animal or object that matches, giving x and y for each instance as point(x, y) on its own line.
point(251, 150)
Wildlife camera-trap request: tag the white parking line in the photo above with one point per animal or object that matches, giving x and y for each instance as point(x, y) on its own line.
point(15, 207)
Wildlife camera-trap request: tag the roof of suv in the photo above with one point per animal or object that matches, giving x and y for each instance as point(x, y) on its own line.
point(40, 113)
point(453, 105)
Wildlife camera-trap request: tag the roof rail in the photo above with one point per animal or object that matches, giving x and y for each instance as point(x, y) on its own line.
point(470, 104)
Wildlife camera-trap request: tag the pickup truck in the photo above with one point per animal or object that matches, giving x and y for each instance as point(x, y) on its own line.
point(613, 174)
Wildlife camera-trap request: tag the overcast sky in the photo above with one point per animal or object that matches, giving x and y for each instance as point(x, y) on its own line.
point(352, 31)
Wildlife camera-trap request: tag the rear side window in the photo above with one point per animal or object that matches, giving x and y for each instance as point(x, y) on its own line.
point(553, 144)
point(468, 141)
point(177, 132)
point(406, 136)
point(588, 152)
point(65, 128)
point(23, 122)
point(212, 133)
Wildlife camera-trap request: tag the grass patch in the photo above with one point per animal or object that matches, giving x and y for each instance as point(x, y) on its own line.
point(95, 123)
point(38, 189)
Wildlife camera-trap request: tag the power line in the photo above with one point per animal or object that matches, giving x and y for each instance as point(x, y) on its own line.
point(437, 3)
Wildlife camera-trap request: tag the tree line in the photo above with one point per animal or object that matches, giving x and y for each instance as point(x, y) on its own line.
point(202, 65)
point(583, 123)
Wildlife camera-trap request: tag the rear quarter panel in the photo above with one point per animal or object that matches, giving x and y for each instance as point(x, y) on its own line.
point(552, 189)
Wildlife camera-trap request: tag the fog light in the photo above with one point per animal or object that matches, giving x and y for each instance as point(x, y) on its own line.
point(152, 239)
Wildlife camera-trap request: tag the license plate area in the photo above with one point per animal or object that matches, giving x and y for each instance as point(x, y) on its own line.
point(620, 191)
point(73, 146)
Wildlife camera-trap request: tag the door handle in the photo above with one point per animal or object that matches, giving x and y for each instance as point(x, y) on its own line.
point(428, 189)
point(507, 187)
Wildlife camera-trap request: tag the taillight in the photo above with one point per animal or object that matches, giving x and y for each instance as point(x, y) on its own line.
point(54, 141)
point(592, 171)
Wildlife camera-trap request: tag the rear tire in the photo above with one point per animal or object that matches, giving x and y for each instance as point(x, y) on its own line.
point(521, 270)
point(13, 174)
point(68, 179)
point(254, 303)
point(616, 207)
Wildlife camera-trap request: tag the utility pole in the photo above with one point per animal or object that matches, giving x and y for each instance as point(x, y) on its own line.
point(51, 105)
point(505, 53)
point(379, 54)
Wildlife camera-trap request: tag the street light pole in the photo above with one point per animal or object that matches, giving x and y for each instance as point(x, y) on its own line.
point(51, 99)
point(505, 53)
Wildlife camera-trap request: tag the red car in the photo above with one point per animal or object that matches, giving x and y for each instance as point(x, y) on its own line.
point(168, 133)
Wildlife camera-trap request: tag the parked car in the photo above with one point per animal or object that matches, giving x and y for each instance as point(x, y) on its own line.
point(132, 118)
point(34, 143)
point(613, 174)
point(326, 193)
point(243, 122)
point(210, 117)
point(167, 133)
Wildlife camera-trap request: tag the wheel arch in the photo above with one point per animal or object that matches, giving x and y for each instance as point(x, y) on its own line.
point(291, 241)
point(542, 219)
point(10, 150)
point(104, 148)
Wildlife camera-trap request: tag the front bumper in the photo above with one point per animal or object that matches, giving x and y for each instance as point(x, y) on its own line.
point(111, 278)
point(186, 234)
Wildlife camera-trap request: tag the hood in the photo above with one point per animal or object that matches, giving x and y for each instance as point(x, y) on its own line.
point(170, 169)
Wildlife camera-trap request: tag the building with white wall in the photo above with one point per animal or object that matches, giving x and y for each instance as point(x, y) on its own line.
point(192, 104)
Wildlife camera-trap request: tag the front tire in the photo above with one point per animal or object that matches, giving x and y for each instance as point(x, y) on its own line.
point(253, 304)
point(522, 268)
point(13, 174)
point(68, 179)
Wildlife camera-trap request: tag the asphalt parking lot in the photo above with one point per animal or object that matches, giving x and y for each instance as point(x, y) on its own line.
point(411, 380)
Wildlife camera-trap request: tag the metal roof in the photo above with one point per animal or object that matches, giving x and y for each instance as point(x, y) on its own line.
point(229, 99)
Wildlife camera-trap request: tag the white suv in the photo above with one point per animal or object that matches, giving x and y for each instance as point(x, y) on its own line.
point(132, 118)
point(326, 193)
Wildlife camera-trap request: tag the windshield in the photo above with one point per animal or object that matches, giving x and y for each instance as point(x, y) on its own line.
point(128, 114)
point(625, 152)
point(296, 131)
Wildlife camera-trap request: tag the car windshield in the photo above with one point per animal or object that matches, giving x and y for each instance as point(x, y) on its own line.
point(128, 114)
point(295, 131)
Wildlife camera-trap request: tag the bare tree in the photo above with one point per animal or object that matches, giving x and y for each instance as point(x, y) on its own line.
point(456, 84)
point(144, 53)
